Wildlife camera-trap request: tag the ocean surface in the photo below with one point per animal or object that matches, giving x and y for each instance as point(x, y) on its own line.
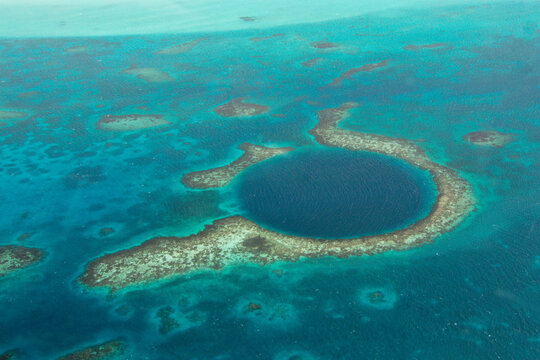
point(473, 293)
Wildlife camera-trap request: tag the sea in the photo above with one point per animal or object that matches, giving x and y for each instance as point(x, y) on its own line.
point(453, 68)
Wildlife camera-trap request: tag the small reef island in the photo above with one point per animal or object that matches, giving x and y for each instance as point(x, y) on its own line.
point(237, 240)
point(130, 122)
point(238, 108)
point(221, 176)
point(15, 257)
point(488, 138)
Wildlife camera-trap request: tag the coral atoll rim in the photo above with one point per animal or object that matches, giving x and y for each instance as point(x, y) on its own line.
point(236, 240)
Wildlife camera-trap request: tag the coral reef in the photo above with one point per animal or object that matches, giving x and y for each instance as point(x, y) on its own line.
point(130, 122)
point(238, 108)
point(221, 176)
point(261, 38)
point(9, 114)
point(323, 45)
point(426, 46)
point(9, 355)
point(488, 138)
point(149, 74)
point(107, 350)
point(14, 257)
point(364, 68)
point(180, 49)
point(167, 322)
point(106, 231)
point(236, 240)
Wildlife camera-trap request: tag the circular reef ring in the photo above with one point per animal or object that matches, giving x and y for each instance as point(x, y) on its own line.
point(237, 240)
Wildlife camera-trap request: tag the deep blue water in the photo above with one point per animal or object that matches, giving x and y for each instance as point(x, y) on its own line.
point(471, 294)
point(334, 193)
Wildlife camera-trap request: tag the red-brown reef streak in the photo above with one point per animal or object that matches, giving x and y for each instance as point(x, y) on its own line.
point(180, 49)
point(347, 74)
point(427, 46)
point(237, 240)
point(103, 351)
point(221, 176)
point(261, 38)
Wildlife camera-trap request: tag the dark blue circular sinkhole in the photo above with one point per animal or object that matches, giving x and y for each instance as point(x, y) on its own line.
point(334, 193)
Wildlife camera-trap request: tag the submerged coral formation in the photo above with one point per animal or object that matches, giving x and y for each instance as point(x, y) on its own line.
point(167, 322)
point(221, 176)
point(236, 240)
point(261, 38)
point(180, 49)
point(130, 122)
point(107, 350)
point(76, 49)
point(149, 74)
point(488, 138)
point(14, 257)
point(381, 298)
point(10, 114)
point(323, 45)
point(238, 108)
point(364, 68)
point(426, 46)
point(9, 355)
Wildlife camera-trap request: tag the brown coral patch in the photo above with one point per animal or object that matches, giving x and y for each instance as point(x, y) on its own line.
point(261, 38)
point(426, 46)
point(14, 257)
point(76, 50)
point(106, 231)
point(181, 48)
point(488, 138)
point(253, 307)
point(238, 108)
point(130, 122)
point(149, 74)
point(310, 62)
point(323, 45)
point(24, 236)
point(102, 351)
point(256, 244)
point(221, 176)
point(364, 68)
point(8, 114)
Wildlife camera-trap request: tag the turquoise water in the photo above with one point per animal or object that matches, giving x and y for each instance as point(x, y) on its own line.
point(335, 193)
point(471, 294)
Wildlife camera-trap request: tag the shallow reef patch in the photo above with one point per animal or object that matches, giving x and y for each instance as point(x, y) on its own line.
point(130, 122)
point(238, 108)
point(107, 350)
point(381, 298)
point(364, 68)
point(181, 48)
point(221, 176)
point(149, 74)
point(488, 138)
point(14, 257)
